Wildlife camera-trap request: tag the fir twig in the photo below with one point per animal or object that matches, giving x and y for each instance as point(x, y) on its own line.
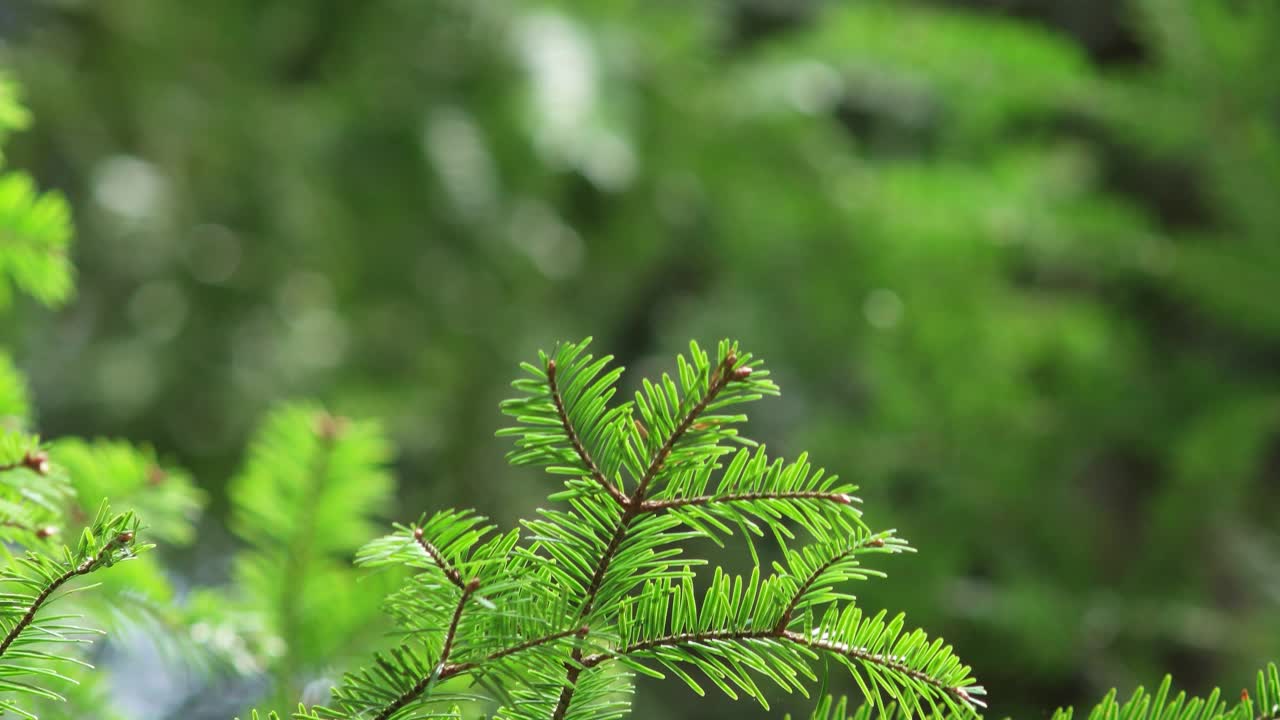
point(467, 591)
point(674, 503)
point(633, 508)
point(592, 468)
point(573, 668)
point(84, 568)
point(36, 461)
point(609, 567)
point(887, 661)
point(327, 429)
point(451, 670)
point(723, 373)
point(783, 635)
point(433, 552)
point(798, 595)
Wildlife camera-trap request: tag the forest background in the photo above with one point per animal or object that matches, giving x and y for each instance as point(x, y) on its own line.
point(1015, 264)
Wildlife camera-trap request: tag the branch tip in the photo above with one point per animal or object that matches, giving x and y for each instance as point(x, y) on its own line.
point(156, 475)
point(37, 461)
point(450, 572)
point(330, 427)
point(588, 462)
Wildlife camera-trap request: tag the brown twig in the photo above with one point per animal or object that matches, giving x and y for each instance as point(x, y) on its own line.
point(887, 661)
point(578, 447)
point(37, 461)
point(459, 668)
point(674, 503)
point(850, 651)
point(421, 686)
point(434, 553)
point(83, 568)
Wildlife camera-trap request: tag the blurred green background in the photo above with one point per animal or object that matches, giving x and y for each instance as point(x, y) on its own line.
point(1015, 264)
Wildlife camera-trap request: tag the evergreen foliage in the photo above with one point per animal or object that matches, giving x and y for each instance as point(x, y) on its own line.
point(555, 619)
point(999, 236)
point(31, 649)
point(59, 489)
point(1163, 704)
point(35, 227)
point(304, 503)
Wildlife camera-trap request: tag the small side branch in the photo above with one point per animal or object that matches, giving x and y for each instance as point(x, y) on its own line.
point(719, 379)
point(459, 668)
point(682, 639)
point(576, 441)
point(445, 566)
point(785, 618)
point(701, 500)
point(421, 686)
point(36, 461)
point(83, 568)
point(887, 661)
point(632, 508)
point(41, 533)
point(573, 669)
point(849, 651)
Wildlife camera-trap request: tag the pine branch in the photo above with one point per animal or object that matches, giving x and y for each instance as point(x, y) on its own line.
point(438, 671)
point(1166, 704)
point(576, 441)
point(303, 502)
point(634, 508)
point(452, 632)
point(35, 461)
point(445, 566)
point(89, 565)
point(460, 668)
point(690, 638)
point(467, 591)
point(298, 555)
point(36, 230)
point(803, 588)
point(34, 641)
point(703, 500)
point(573, 668)
point(454, 544)
point(723, 374)
point(608, 564)
point(564, 411)
point(782, 635)
point(34, 492)
point(886, 661)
